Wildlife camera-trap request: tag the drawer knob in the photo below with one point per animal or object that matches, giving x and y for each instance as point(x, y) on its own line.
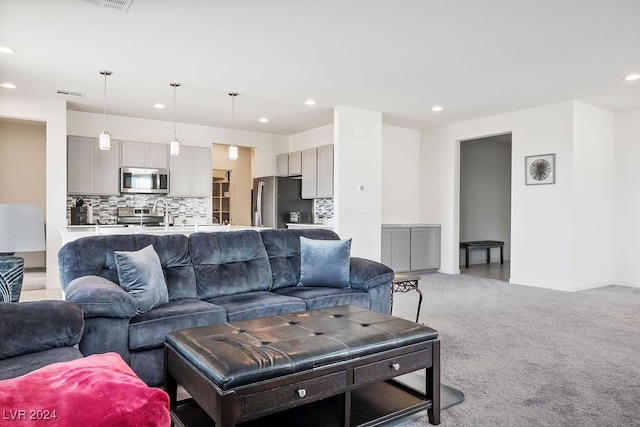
point(395, 366)
point(302, 392)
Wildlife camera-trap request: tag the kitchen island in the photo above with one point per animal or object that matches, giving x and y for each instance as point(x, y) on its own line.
point(74, 232)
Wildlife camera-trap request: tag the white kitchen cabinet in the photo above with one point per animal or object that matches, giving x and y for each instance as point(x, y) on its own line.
point(190, 173)
point(411, 247)
point(144, 154)
point(309, 174)
point(425, 248)
point(282, 165)
point(325, 172)
point(91, 170)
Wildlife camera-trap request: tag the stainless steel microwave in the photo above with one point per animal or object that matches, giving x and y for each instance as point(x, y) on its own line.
point(144, 180)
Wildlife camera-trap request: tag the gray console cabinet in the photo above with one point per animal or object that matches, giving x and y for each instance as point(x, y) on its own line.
point(411, 247)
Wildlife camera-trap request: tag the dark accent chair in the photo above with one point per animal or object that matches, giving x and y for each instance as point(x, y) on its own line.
point(36, 334)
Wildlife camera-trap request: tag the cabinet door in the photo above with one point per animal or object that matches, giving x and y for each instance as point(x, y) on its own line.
point(133, 154)
point(180, 177)
point(106, 170)
point(309, 174)
point(80, 152)
point(400, 249)
point(200, 172)
point(325, 171)
point(425, 248)
point(282, 165)
point(387, 253)
point(295, 163)
point(155, 156)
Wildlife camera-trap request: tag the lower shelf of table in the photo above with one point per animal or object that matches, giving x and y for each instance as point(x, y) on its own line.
point(368, 403)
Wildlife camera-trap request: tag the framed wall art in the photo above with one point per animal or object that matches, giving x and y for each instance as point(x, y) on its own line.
point(540, 169)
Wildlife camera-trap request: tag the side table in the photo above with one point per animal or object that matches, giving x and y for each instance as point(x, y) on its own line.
point(405, 283)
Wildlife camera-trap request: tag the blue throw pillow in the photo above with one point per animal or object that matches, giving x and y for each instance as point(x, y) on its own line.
point(325, 262)
point(140, 274)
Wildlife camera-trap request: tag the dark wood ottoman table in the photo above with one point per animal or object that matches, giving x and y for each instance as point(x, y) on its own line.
point(333, 366)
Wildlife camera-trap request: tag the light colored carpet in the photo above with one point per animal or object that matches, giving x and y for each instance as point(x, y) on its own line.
point(526, 356)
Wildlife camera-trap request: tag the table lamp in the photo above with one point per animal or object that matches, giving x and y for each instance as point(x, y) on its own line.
point(21, 230)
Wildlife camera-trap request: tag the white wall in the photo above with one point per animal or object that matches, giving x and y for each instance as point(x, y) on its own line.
point(311, 138)
point(626, 199)
point(541, 216)
point(133, 129)
point(485, 196)
point(400, 175)
point(358, 161)
point(592, 196)
point(53, 112)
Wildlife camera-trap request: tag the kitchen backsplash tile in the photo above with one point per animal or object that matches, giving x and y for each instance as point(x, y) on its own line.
point(322, 209)
point(105, 207)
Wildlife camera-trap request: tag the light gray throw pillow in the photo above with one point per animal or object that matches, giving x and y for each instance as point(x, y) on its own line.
point(140, 274)
point(325, 262)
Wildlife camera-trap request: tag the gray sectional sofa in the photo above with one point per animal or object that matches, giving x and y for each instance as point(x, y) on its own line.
point(210, 278)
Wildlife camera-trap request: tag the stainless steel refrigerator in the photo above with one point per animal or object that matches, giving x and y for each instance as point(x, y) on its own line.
point(274, 198)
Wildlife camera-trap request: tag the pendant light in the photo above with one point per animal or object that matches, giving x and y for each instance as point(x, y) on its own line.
point(174, 145)
point(104, 141)
point(233, 149)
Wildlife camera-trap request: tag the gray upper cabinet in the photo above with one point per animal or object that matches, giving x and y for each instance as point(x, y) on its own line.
point(325, 171)
point(309, 174)
point(144, 154)
point(295, 163)
point(190, 173)
point(91, 170)
point(282, 165)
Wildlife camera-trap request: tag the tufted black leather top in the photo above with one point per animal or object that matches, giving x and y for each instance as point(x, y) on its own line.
point(243, 352)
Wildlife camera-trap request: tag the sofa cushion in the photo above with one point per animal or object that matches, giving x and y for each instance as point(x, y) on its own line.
point(29, 327)
point(324, 262)
point(283, 249)
point(94, 255)
point(148, 330)
point(20, 365)
point(323, 297)
point(250, 305)
point(229, 263)
point(140, 274)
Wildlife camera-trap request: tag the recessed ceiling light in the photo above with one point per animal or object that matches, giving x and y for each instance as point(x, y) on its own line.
point(263, 120)
point(159, 106)
point(8, 85)
point(632, 77)
point(437, 109)
point(310, 102)
point(4, 49)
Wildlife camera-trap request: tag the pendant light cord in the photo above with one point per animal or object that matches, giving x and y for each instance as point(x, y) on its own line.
point(105, 102)
point(174, 112)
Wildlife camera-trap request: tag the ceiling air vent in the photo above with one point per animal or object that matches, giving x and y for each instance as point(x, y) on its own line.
point(69, 93)
point(121, 5)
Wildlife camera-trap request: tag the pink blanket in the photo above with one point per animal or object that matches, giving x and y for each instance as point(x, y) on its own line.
point(99, 390)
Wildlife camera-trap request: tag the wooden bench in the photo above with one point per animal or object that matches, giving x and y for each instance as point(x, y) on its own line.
point(482, 244)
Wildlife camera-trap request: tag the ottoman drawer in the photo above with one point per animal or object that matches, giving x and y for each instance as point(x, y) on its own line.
point(392, 367)
point(295, 394)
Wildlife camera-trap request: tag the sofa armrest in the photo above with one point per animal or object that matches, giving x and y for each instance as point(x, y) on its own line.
point(367, 274)
point(100, 297)
point(30, 327)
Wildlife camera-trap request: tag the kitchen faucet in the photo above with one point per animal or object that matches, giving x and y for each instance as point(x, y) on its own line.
point(166, 211)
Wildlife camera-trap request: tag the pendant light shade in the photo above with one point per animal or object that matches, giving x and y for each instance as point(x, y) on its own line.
point(174, 144)
point(233, 149)
point(104, 140)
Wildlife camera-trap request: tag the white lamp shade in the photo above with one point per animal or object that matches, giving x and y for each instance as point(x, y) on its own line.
point(21, 228)
point(105, 140)
point(174, 147)
point(233, 152)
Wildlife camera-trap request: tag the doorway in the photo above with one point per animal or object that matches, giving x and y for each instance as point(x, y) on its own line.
point(485, 203)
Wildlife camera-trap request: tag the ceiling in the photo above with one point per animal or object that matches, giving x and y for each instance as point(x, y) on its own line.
point(399, 57)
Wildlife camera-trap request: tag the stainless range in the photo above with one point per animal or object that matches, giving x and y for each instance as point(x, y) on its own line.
point(140, 216)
